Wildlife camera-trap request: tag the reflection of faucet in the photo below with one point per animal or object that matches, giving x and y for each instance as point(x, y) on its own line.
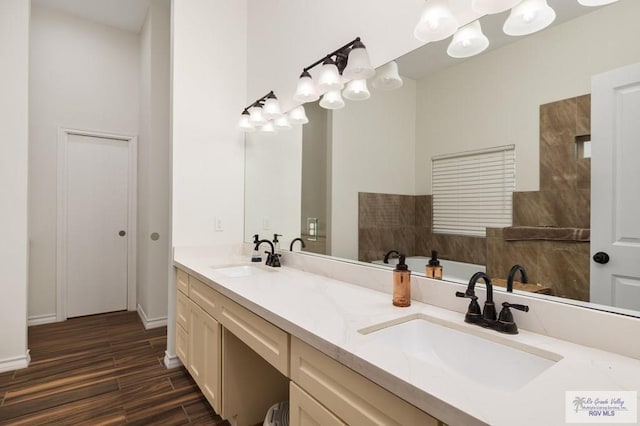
point(473, 313)
point(294, 240)
point(512, 273)
point(487, 318)
point(386, 256)
point(272, 258)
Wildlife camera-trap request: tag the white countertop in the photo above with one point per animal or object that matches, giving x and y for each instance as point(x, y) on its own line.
point(328, 314)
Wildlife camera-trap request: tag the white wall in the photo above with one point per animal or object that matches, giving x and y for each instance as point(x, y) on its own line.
point(209, 75)
point(14, 62)
point(209, 92)
point(493, 99)
point(373, 146)
point(83, 75)
point(153, 165)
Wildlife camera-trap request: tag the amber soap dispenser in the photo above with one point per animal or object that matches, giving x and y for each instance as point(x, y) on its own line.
point(401, 283)
point(434, 269)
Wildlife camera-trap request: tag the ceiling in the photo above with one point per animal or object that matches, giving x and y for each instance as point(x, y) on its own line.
point(433, 56)
point(126, 15)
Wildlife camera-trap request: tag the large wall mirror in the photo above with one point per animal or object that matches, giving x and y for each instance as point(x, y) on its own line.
point(357, 183)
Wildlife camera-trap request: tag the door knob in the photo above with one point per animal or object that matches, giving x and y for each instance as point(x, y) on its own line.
point(122, 233)
point(601, 257)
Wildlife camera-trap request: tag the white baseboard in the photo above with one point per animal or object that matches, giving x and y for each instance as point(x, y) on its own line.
point(41, 319)
point(151, 322)
point(16, 363)
point(171, 361)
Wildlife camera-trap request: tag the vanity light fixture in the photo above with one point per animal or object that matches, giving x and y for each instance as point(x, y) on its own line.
point(261, 115)
point(595, 2)
point(387, 77)
point(468, 41)
point(529, 16)
point(488, 7)
point(349, 62)
point(437, 22)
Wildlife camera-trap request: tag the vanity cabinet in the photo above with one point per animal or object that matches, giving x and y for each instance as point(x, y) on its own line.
point(354, 399)
point(243, 364)
point(239, 361)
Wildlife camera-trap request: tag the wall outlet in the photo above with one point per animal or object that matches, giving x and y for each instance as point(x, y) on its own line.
point(266, 223)
point(219, 226)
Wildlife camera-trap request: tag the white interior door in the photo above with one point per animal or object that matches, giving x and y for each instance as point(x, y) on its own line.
point(615, 188)
point(97, 182)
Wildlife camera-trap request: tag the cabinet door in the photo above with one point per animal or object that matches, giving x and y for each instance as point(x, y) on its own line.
point(182, 345)
point(306, 411)
point(204, 353)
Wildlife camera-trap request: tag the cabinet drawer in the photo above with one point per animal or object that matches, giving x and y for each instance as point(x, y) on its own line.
point(264, 338)
point(304, 410)
point(353, 398)
point(205, 297)
point(182, 281)
point(182, 310)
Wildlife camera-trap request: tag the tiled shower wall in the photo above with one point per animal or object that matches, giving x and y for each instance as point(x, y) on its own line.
point(403, 222)
point(564, 200)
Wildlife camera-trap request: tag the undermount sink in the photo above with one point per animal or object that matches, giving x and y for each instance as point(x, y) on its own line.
point(239, 271)
point(493, 365)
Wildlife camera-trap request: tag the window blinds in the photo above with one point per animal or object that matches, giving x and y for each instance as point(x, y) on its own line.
point(473, 190)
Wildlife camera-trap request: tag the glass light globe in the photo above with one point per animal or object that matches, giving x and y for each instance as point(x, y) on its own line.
point(357, 90)
point(437, 22)
point(468, 41)
point(298, 115)
point(528, 17)
point(271, 108)
point(256, 116)
point(332, 100)
point(282, 123)
point(358, 63)
point(387, 77)
point(306, 90)
point(245, 122)
point(329, 78)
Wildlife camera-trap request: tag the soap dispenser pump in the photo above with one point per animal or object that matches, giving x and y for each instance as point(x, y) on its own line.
point(401, 283)
point(255, 256)
point(434, 269)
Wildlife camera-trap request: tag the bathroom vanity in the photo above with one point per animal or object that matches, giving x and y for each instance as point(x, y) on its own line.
point(324, 334)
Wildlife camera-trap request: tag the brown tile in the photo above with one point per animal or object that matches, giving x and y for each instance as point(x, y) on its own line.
point(460, 248)
point(583, 121)
point(527, 210)
point(557, 133)
point(502, 255)
point(564, 266)
point(584, 173)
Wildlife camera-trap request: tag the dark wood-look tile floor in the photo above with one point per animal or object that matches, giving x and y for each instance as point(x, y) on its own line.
point(101, 370)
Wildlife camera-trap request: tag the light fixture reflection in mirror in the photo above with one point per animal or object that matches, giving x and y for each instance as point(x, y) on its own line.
point(499, 104)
